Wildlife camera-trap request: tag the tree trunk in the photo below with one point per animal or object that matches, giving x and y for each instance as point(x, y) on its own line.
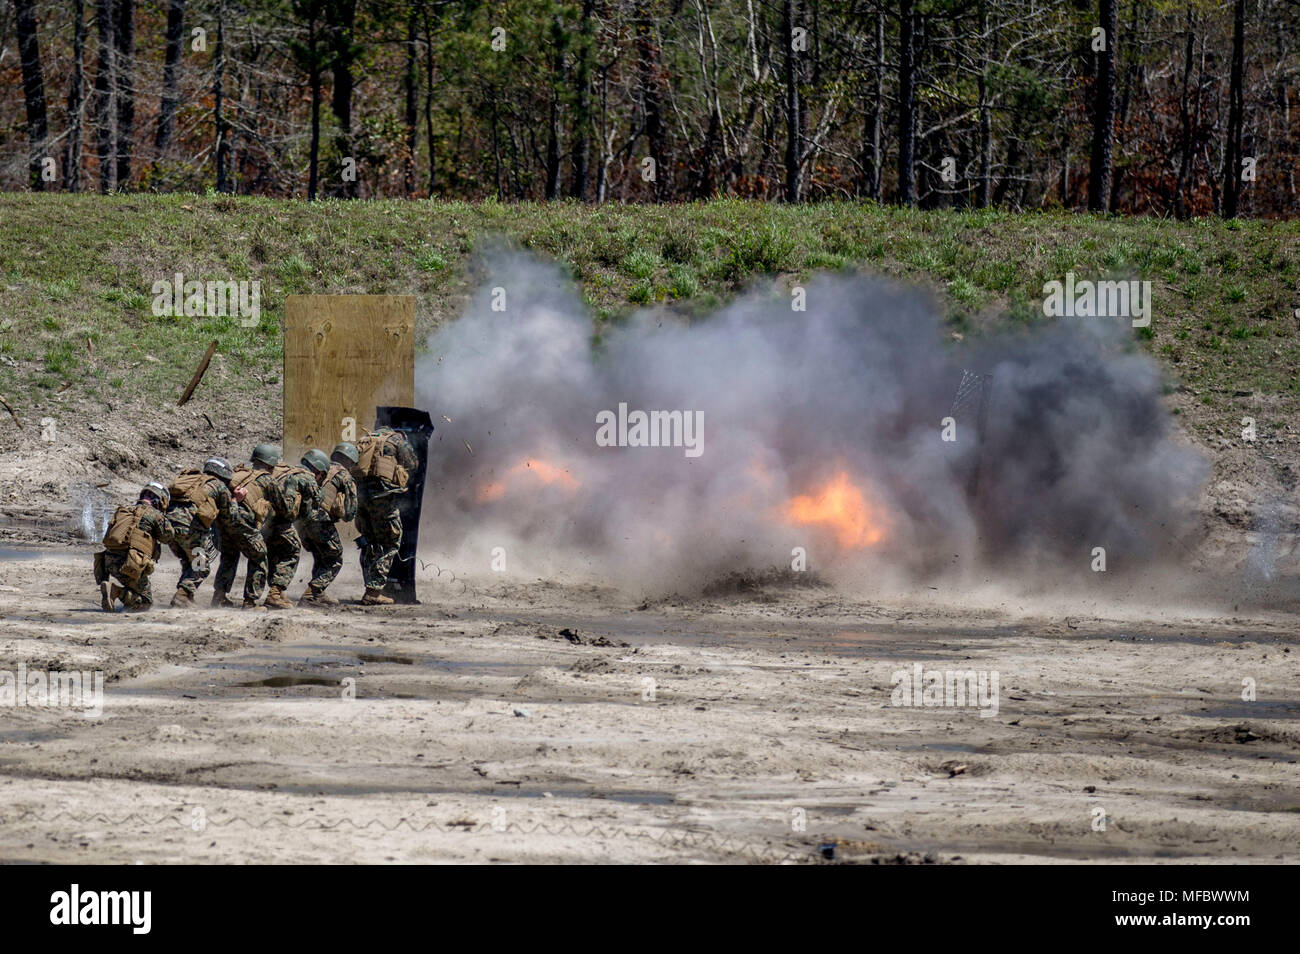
point(1103, 112)
point(1185, 125)
point(878, 114)
point(344, 18)
point(76, 91)
point(218, 93)
point(105, 95)
point(582, 91)
point(33, 91)
point(553, 124)
point(411, 80)
point(428, 99)
point(313, 158)
point(793, 183)
point(171, 75)
point(985, 194)
point(648, 68)
point(125, 89)
point(1236, 107)
point(906, 104)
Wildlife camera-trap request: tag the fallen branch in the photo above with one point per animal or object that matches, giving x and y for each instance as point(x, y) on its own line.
point(198, 375)
point(12, 414)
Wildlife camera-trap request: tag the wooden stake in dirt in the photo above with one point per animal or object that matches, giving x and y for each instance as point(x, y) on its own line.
point(12, 414)
point(198, 375)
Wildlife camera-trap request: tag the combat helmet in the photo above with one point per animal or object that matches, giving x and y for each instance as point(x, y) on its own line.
point(158, 492)
point(267, 454)
point(316, 460)
point(347, 451)
point(217, 467)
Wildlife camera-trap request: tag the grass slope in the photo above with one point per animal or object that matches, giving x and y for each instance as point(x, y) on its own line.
point(76, 274)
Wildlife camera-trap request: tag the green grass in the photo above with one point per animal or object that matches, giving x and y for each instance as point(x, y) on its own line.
point(76, 274)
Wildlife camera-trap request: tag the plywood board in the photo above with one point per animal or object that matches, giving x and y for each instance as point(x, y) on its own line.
point(343, 356)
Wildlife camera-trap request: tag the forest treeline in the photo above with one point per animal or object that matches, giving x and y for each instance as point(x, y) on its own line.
point(1163, 107)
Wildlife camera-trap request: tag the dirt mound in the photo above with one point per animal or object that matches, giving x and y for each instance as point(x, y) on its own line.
point(752, 583)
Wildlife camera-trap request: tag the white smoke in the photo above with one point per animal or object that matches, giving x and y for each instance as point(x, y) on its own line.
point(1076, 451)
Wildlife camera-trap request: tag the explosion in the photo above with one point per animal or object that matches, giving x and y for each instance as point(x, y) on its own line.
point(1073, 451)
point(533, 467)
point(841, 507)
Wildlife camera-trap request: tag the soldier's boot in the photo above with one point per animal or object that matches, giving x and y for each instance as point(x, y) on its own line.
point(275, 599)
point(317, 598)
point(252, 605)
point(220, 598)
point(375, 597)
point(106, 597)
point(182, 599)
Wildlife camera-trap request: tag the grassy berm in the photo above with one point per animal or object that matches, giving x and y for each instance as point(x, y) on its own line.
point(84, 361)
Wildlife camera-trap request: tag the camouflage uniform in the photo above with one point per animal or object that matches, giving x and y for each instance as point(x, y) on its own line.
point(194, 544)
point(321, 537)
point(378, 519)
point(300, 494)
point(108, 563)
point(242, 534)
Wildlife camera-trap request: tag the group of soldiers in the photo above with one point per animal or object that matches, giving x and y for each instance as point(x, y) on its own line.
point(265, 511)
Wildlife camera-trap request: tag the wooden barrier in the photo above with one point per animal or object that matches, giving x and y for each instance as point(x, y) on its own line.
point(344, 355)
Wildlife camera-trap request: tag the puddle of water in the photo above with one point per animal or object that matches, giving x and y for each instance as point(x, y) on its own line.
point(383, 657)
point(33, 553)
point(283, 682)
point(1261, 709)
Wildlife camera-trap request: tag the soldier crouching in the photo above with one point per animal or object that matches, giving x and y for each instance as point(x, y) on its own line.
point(386, 464)
point(300, 494)
point(199, 499)
point(132, 545)
point(319, 535)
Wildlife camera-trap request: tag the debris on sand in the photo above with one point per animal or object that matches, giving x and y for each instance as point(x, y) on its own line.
point(756, 582)
point(277, 629)
point(573, 637)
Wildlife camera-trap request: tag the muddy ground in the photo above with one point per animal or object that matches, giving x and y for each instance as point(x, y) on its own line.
point(542, 721)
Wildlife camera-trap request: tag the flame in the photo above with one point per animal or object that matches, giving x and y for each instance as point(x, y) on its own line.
point(534, 467)
point(546, 473)
point(841, 507)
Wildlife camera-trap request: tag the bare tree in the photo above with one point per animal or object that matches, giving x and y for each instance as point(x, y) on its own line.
point(906, 102)
point(33, 91)
point(1232, 151)
point(76, 94)
point(171, 75)
point(125, 77)
point(106, 95)
point(1103, 111)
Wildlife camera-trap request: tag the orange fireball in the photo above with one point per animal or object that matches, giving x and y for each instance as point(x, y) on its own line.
point(537, 469)
point(842, 508)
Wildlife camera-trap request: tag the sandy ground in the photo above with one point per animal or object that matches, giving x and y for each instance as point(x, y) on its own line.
point(753, 728)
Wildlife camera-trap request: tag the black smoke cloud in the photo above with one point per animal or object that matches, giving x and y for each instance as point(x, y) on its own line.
point(1076, 449)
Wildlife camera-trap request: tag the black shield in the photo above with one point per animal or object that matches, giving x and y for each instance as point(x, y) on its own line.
point(417, 426)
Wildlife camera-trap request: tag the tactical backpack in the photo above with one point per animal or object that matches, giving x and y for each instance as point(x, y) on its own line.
point(124, 534)
point(254, 498)
point(334, 501)
point(281, 472)
point(374, 462)
point(192, 487)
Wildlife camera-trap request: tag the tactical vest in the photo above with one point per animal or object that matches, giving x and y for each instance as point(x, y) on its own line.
point(254, 498)
point(124, 534)
point(334, 501)
point(281, 472)
point(373, 462)
point(192, 487)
